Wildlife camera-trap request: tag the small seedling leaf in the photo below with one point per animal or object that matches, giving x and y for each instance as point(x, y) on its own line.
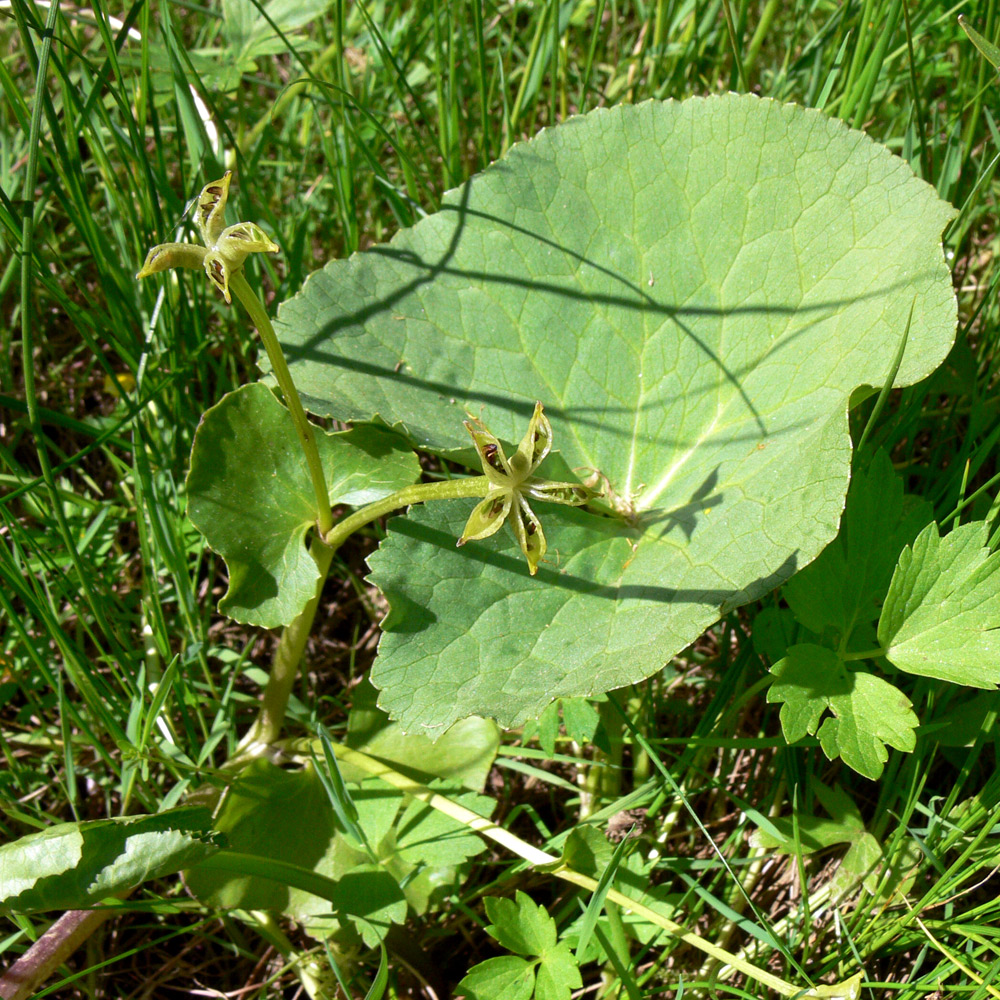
point(941, 617)
point(867, 713)
point(251, 496)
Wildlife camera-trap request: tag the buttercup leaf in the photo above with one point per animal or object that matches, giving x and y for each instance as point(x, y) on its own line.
point(941, 617)
point(867, 713)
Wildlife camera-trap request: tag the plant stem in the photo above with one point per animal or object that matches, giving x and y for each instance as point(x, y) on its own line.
point(487, 828)
point(288, 656)
point(285, 665)
point(731, 28)
point(448, 489)
point(27, 975)
point(239, 286)
point(864, 654)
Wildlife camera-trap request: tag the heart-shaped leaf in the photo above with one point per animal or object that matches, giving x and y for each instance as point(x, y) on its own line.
point(251, 496)
point(287, 816)
point(695, 291)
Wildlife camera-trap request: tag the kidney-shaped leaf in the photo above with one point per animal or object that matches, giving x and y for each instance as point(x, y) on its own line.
point(251, 496)
point(694, 290)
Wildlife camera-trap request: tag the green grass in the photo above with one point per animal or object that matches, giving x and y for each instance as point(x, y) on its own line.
point(339, 135)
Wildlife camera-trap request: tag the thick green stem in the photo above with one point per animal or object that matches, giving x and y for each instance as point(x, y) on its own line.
point(448, 489)
point(285, 665)
point(288, 656)
point(258, 314)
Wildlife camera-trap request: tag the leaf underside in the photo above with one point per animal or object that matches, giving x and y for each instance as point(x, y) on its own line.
point(694, 290)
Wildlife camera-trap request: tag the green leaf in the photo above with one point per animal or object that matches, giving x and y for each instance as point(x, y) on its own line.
point(252, 32)
point(286, 816)
point(774, 630)
point(75, 865)
point(577, 715)
point(816, 833)
point(505, 978)
point(425, 848)
point(251, 496)
point(634, 880)
point(464, 753)
point(520, 924)
point(849, 989)
point(596, 903)
point(988, 50)
point(558, 974)
point(845, 585)
point(941, 617)
point(587, 851)
point(377, 989)
point(694, 290)
point(964, 720)
point(868, 713)
point(545, 728)
point(860, 864)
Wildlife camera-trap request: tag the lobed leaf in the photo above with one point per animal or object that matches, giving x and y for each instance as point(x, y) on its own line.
point(867, 713)
point(506, 977)
point(941, 617)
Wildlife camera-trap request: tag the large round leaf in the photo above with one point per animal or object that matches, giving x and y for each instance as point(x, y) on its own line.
point(694, 290)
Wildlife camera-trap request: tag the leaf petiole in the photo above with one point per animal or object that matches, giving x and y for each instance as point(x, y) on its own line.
point(864, 654)
point(448, 489)
point(258, 314)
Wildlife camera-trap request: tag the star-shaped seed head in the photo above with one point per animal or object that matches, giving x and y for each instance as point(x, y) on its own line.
point(512, 483)
point(225, 248)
